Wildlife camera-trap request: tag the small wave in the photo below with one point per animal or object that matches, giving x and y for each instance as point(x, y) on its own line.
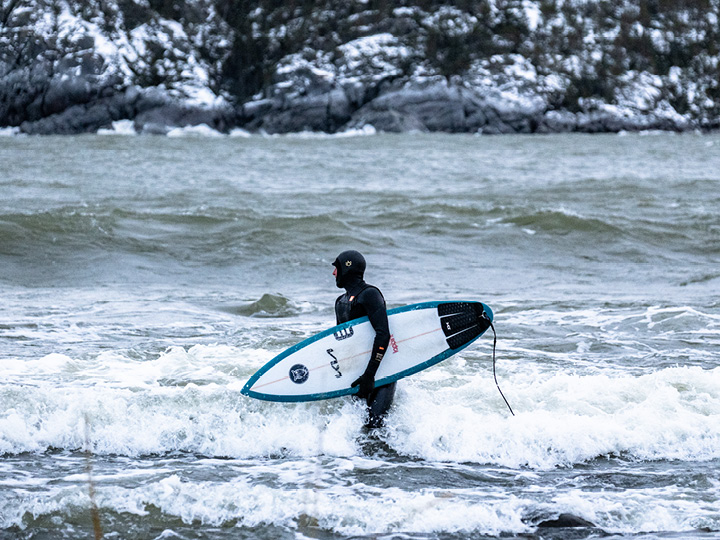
point(701, 278)
point(349, 511)
point(562, 222)
point(269, 305)
point(62, 220)
point(208, 234)
point(69, 226)
point(176, 503)
point(630, 338)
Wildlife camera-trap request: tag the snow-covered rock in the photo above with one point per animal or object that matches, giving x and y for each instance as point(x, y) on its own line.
point(498, 66)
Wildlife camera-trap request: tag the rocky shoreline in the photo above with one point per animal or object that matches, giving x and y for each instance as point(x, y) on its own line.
point(439, 107)
point(76, 68)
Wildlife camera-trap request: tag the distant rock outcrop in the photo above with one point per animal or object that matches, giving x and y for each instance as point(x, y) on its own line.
point(497, 66)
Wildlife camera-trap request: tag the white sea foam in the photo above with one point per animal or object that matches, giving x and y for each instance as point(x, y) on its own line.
point(364, 131)
point(353, 510)
point(189, 400)
point(651, 509)
point(564, 419)
point(201, 130)
point(240, 133)
point(119, 127)
point(356, 508)
point(9, 131)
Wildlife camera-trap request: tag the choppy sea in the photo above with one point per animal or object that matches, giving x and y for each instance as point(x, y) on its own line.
point(143, 280)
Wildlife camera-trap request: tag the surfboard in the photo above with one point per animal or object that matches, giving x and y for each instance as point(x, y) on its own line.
point(326, 364)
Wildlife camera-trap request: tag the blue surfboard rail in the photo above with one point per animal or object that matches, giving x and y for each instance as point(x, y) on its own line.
point(385, 380)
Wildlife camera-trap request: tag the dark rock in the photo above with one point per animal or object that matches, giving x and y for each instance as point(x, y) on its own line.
point(86, 118)
point(436, 107)
point(252, 112)
point(609, 121)
point(565, 521)
point(319, 112)
point(557, 122)
point(358, 94)
point(160, 119)
point(346, 66)
point(388, 121)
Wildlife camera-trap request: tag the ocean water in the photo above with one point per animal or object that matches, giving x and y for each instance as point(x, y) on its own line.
point(143, 280)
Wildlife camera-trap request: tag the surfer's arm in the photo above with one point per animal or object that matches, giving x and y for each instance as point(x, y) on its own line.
point(374, 304)
point(382, 335)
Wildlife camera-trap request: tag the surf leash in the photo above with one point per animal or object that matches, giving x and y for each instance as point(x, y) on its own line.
point(494, 374)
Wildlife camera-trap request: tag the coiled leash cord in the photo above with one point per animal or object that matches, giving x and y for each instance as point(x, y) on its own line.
point(494, 375)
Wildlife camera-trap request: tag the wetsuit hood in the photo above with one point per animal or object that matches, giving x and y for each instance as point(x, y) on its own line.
point(350, 269)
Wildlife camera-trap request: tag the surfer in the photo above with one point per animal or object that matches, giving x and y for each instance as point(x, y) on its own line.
point(360, 300)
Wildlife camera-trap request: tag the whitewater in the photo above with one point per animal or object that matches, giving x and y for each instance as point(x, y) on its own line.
point(145, 279)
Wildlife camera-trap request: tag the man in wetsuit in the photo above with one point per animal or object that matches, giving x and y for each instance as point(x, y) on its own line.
point(359, 300)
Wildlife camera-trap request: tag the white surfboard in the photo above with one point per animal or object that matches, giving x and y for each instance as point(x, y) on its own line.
point(325, 365)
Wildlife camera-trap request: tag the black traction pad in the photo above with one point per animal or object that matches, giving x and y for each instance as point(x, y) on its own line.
point(462, 322)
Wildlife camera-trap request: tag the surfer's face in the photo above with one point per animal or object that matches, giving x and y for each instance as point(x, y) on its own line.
point(335, 272)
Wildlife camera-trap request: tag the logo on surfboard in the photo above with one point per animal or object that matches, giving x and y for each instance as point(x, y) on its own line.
point(344, 333)
point(335, 364)
point(299, 374)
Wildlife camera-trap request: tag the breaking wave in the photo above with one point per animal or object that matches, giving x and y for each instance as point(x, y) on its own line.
point(190, 401)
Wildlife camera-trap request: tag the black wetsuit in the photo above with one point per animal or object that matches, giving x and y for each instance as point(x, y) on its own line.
point(360, 300)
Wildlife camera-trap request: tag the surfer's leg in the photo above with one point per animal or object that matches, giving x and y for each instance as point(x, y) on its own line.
point(379, 403)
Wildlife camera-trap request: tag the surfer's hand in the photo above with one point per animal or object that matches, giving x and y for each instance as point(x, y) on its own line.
point(366, 382)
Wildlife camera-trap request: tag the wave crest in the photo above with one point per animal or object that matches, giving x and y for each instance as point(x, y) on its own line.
point(563, 222)
point(268, 305)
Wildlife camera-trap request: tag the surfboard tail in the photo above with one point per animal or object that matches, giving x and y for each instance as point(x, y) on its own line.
point(462, 322)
